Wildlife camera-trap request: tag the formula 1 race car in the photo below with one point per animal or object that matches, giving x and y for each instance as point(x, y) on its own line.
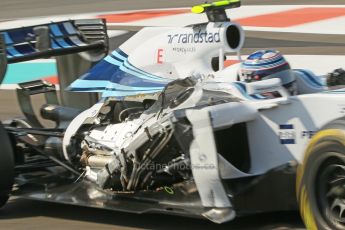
point(191, 146)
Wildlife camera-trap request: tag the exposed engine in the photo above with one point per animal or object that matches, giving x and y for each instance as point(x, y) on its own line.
point(129, 156)
point(150, 147)
point(142, 152)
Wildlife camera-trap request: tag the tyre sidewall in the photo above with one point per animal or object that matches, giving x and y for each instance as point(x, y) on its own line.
point(321, 149)
point(6, 163)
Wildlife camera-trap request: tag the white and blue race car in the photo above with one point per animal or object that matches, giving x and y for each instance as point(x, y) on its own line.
point(192, 145)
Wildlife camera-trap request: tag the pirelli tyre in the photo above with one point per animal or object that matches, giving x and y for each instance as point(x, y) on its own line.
point(6, 166)
point(321, 180)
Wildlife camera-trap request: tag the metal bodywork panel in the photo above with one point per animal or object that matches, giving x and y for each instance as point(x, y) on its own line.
point(288, 128)
point(204, 161)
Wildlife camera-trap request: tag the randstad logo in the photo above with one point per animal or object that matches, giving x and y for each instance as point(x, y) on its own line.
point(199, 37)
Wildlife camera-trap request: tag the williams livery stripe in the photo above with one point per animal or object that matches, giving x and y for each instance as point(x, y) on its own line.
point(310, 78)
point(242, 89)
point(116, 77)
point(287, 134)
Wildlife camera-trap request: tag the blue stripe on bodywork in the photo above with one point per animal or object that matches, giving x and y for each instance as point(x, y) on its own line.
point(114, 76)
point(287, 141)
point(310, 78)
point(8, 39)
point(119, 74)
point(69, 28)
point(117, 58)
point(57, 33)
point(77, 41)
point(125, 93)
point(142, 77)
point(54, 28)
point(13, 52)
point(54, 45)
point(106, 85)
point(286, 126)
point(242, 88)
point(62, 42)
point(119, 55)
point(129, 66)
point(10, 49)
point(117, 93)
point(337, 91)
point(112, 60)
point(123, 57)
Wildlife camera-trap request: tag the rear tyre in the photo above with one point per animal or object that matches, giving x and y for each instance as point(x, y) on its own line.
point(3, 200)
point(321, 181)
point(6, 166)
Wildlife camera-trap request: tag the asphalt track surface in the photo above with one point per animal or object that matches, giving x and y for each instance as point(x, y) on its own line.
point(26, 214)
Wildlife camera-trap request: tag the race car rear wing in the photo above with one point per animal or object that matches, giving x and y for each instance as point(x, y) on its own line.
point(53, 39)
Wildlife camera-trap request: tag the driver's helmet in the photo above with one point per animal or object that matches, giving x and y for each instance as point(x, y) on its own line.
point(267, 64)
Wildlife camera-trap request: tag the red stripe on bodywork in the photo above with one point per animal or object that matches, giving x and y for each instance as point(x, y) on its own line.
point(52, 79)
point(293, 17)
point(228, 63)
point(140, 15)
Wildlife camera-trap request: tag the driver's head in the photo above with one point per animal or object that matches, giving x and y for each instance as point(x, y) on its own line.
point(267, 64)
